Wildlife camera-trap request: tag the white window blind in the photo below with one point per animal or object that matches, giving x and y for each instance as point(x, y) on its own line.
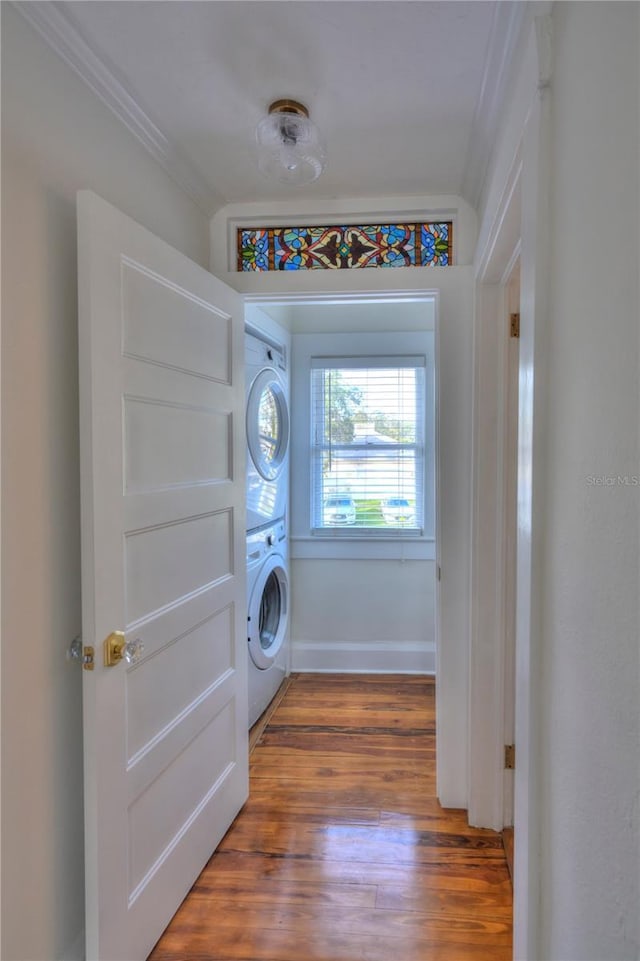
point(368, 444)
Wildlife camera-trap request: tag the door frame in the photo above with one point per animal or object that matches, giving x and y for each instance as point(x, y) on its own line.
point(453, 302)
point(511, 304)
point(490, 530)
point(514, 226)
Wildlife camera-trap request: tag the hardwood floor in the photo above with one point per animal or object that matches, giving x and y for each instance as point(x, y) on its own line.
point(508, 843)
point(342, 852)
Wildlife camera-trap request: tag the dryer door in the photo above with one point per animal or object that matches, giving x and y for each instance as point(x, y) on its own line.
point(268, 612)
point(267, 424)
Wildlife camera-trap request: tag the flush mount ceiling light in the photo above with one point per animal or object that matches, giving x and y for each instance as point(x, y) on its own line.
point(290, 147)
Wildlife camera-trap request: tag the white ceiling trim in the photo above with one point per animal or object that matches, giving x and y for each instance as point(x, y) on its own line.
point(503, 39)
point(59, 32)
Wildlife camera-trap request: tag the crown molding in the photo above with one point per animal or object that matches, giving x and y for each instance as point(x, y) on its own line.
point(58, 30)
point(503, 39)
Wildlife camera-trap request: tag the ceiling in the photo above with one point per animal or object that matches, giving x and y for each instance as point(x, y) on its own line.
point(307, 316)
point(399, 89)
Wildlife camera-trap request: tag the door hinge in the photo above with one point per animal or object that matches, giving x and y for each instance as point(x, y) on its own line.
point(438, 573)
point(514, 326)
point(509, 757)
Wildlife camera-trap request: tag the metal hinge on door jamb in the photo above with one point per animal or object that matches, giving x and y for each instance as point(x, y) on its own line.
point(514, 325)
point(509, 757)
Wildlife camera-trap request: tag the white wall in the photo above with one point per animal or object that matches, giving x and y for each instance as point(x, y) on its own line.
point(363, 615)
point(228, 218)
point(579, 369)
point(56, 138)
point(590, 856)
point(359, 604)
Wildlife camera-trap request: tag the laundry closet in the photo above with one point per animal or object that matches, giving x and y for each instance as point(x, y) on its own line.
point(336, 597)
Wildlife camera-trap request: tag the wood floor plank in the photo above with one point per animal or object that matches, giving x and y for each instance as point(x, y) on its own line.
point(213, 885)
point(342, 852)
point(298, 916)
point(431, 818)
point(331, 738)
point(405, 799)
point(273, 945)
point(380, 719)
point(265, 809)
point(434, 819)
point(295, 764)
point(357, 842)
point(472, 874)
point(436, 900)
point(508, 841)
point(402, 684)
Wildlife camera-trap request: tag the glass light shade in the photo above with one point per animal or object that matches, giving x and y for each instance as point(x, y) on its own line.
point(290, 148)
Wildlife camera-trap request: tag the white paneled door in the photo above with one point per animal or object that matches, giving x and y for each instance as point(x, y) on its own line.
point(162, 456)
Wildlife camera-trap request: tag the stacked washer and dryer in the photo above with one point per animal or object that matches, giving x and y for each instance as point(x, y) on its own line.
point(267, 415)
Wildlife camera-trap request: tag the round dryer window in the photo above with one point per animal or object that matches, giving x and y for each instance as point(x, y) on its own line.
point(267, 424)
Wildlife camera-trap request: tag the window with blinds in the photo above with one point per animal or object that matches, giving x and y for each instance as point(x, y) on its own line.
point(368, 444)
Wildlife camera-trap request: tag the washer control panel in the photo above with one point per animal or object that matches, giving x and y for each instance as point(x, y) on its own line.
point(264, 540)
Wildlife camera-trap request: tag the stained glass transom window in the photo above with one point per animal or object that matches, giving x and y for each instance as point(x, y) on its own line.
point(342, 248)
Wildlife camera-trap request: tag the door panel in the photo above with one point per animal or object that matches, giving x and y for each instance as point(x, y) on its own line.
point(200, 439)
point(163, 521)
point(199, 343)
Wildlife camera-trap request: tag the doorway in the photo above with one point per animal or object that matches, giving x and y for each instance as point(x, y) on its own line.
point(452, 300)
point(363, 589)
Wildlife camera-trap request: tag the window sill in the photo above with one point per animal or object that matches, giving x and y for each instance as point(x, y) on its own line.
point(366, 548)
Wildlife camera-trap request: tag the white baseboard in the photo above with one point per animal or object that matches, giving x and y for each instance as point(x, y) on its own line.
point(381, 657)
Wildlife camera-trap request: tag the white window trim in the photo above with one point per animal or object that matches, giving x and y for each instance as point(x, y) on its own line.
point(351, 544)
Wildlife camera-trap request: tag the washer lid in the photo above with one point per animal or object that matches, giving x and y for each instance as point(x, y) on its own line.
point(267, 424)
point(268, 609)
